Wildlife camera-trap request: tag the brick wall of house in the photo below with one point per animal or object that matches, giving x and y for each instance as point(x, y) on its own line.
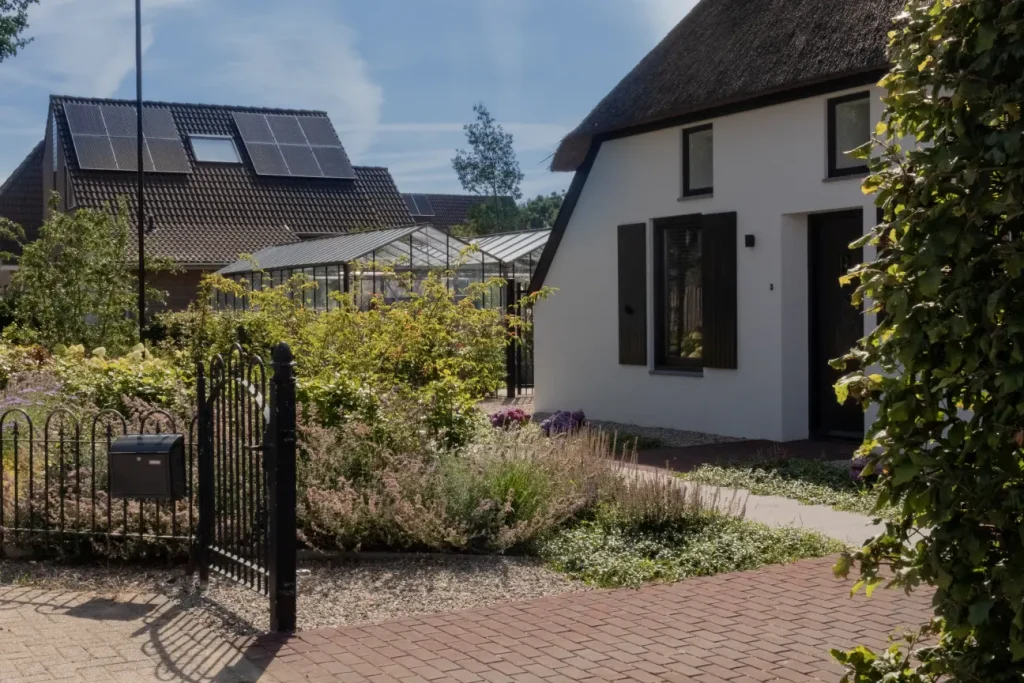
point(181, 288)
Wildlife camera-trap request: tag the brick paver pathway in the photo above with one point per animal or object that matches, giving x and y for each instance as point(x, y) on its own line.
point(773, 624)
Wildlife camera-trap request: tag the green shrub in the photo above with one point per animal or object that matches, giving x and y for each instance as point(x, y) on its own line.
point(115, 383)
point(76, 283)
point(613, 550)
point(434, 349)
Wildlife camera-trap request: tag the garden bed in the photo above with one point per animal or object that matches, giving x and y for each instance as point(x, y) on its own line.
point(810, 482)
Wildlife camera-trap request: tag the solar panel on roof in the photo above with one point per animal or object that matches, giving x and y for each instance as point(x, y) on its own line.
point(286, 130)
point(410, 204)
point(84, 119)
point(253, 127)
point(301, 161)
point(127, 155)
point(106, 138)
point(307, 146)
point(423, 205)
point(158, 124)
point(267, 159)
point(319, 131)
point(168, 156)
point(94, 152)
point(334, 162)
point(121, 121)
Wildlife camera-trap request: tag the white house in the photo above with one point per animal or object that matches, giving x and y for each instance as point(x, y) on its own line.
point(713, 185)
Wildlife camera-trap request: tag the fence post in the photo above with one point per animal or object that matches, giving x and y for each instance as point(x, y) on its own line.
point(206, 484)
point(510, 348)
point(280, 459)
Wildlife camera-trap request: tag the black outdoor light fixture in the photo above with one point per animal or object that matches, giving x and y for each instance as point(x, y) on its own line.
point(148, 467)
point(748, 241)
point(142, 181)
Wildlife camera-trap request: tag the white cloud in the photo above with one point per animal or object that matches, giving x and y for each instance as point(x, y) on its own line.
point(660, 16)
point(502, 23)
point(301, 60)
point(83, 47)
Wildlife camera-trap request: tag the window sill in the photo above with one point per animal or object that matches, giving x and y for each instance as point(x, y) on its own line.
point(852, 176)
point(677, 372)
point(693, 197)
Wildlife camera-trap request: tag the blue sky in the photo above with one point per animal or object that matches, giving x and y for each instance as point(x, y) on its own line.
point(398, 77)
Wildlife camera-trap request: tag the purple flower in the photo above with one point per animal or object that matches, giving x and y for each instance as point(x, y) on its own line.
point(564, 422)
point(509, 417)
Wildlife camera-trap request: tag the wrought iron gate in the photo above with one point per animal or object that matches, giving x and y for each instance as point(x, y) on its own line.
point(519, 353)
point(247, 476)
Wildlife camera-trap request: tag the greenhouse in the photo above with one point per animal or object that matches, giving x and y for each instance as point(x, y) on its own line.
point(389, 263)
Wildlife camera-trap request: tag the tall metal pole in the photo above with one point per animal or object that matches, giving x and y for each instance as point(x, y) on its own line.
point(142, 182)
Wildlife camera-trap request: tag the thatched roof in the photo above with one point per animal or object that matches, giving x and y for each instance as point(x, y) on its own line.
point(729, 51)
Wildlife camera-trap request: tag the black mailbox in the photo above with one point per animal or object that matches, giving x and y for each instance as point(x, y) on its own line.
point(148, 466)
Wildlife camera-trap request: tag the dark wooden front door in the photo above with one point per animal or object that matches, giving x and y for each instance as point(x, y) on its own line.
point(835, 324)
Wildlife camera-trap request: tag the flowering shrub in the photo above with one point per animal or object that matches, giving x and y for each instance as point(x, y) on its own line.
point(433, 348)
point(103, 382)
point(15, 359)
point(564, 422)
point(505, 491)
point(509, 417)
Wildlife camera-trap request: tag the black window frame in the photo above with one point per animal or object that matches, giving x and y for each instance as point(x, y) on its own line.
point(661, 226)
point(833, 103)
point(701, 191)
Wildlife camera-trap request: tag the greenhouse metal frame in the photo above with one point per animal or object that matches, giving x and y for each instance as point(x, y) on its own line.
point(362, 263)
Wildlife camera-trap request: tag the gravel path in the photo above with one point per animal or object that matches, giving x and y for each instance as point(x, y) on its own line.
point(339, 594)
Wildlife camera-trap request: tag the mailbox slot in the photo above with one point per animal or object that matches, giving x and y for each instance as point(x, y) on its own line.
point(148, 467)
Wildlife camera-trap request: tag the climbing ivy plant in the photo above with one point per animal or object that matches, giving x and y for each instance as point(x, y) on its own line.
point(946, 363)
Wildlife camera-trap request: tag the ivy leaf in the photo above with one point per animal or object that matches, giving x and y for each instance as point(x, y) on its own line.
point(929, 282)
point(986, 38)
point(904, 473)
point(979, 612)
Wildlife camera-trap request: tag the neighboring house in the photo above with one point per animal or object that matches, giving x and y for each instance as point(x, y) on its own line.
point(224, 180)
point(20, 202)
point(443, 211)
point(698, 252)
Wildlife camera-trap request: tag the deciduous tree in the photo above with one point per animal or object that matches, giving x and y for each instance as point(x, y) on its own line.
point(490, 167)
point(13, 22)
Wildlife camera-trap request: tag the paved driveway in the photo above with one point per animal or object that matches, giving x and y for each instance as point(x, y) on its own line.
point(776, 623)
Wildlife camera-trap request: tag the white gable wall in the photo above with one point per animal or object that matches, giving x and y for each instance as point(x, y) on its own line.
point(770, 168)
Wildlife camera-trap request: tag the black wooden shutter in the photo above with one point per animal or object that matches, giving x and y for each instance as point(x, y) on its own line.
point(633, 294)
point(718, 273)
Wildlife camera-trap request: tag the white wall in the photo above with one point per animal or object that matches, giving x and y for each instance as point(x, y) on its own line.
point(770, 168)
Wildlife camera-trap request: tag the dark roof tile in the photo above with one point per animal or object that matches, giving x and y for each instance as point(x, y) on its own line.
point(450, 209)
point(21, 195)
point(218, 211)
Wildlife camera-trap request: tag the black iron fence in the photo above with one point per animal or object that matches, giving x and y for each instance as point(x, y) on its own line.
point(237, 514)
point(54, 474)
point(519, 353)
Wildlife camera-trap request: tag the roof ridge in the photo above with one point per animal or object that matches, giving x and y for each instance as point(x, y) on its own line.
point(195, 105)
point(22, 166)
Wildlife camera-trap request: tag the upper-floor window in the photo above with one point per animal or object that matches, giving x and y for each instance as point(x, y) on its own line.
point(849, 127)
point(215, 149)
point(698, 161)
